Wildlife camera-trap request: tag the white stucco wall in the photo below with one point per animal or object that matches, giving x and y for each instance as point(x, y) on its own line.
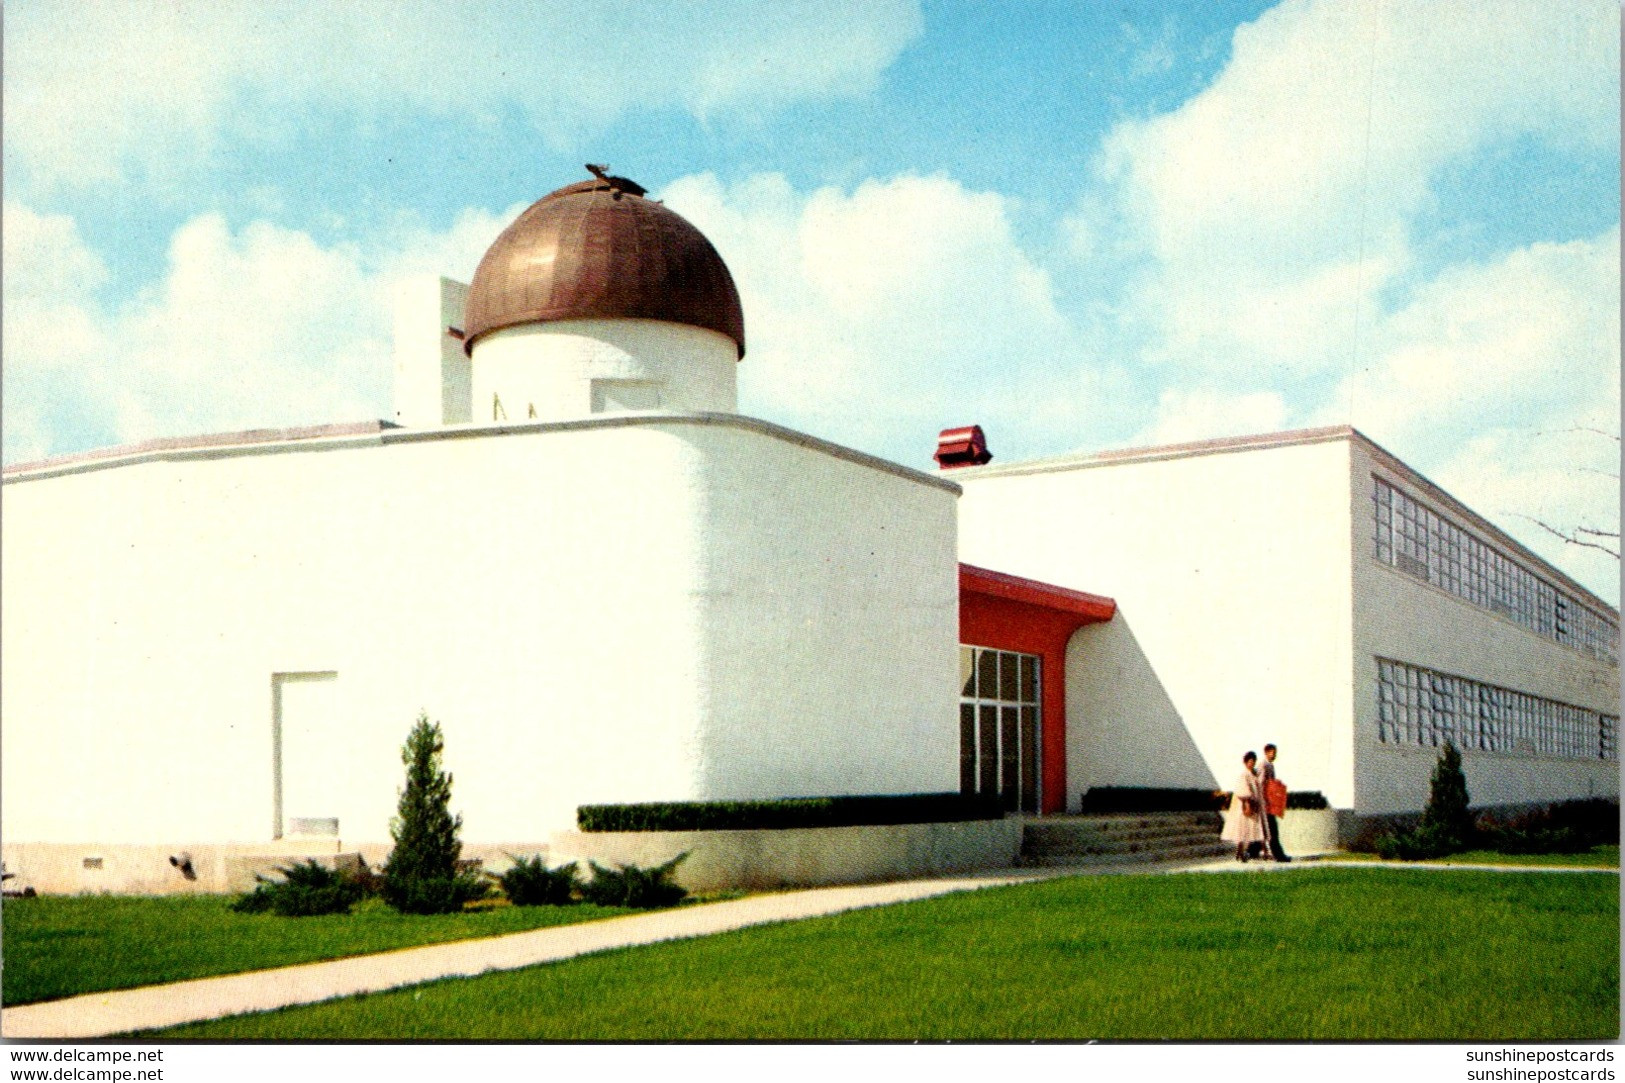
point(432, 377)
point(1403, 618)
point(830, 625)
point(1230, 570)
point(638, 608)
point(574, 368)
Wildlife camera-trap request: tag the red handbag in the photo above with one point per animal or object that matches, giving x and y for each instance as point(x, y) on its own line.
point(1275, 796)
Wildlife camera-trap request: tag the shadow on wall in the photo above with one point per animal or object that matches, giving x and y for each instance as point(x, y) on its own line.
point(1123, 729)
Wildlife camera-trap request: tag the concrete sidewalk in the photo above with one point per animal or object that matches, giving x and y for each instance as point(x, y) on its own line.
point(101, 1014)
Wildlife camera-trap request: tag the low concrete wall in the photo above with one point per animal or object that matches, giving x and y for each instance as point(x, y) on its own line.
point(717, 859)
point(87, 869)
point(801, 857)
point(1305, 832)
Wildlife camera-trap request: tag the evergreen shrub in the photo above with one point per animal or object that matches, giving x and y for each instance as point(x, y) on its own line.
point(1418, 844)
point(422, 875)
point(305, 890)
point(529, 882)
point(630, 885)
point(1447, 825)
point(434, 894)
point(1447, 811)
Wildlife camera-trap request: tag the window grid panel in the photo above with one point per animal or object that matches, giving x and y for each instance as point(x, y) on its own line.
point(1422, 543)
point(999, 725)
point(1417, 706)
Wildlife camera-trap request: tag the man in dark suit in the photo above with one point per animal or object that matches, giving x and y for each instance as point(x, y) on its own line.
point(1268, 782)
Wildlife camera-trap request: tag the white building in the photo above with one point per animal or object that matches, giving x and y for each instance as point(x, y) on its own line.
point(611, 587)
point(1306, 589)
point(626, 592)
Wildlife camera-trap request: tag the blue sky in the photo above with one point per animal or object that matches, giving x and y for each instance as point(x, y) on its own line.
point(1082, 225)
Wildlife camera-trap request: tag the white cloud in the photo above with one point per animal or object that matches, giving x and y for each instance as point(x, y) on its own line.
point(1268, 231)
point(1565, 478)
point(256, 327)
point(261, 327)
point(53, 333)
point(1280, 199)
point(1488, 382)
point(150, 88)
point(881, 315)
point(1530, 341)
point(1201, 413)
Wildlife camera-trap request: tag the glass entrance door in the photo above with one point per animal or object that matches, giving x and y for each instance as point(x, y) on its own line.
point(999, 726)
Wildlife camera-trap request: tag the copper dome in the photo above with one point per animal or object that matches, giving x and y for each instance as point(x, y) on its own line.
point(595, 250)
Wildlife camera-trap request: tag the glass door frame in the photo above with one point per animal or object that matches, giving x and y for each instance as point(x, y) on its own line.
point(1001, 726)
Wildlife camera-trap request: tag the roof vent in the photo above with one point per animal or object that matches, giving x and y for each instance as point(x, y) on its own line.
point(962, 447)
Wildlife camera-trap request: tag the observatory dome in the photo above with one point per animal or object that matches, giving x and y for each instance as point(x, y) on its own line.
point(600, 250)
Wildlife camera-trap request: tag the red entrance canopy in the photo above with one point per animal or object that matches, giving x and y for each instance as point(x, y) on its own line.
point(1009, 613)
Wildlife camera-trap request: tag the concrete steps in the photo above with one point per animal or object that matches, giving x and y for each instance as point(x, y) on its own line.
point(1149, 837)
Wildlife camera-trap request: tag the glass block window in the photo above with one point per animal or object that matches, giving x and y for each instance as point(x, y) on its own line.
point(999, 733)
point(1417, 706)
point(1417, 540)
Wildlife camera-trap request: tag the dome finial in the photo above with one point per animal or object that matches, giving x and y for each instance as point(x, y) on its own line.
point(617, 184)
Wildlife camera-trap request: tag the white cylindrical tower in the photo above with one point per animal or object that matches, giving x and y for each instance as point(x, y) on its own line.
point(598, 300)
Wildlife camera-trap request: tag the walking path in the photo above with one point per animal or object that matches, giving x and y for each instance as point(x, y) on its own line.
point(149, 1007)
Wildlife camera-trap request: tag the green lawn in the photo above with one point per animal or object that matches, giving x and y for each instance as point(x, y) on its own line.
point(57, 946)
point(1598, 857)
point(1332, 953)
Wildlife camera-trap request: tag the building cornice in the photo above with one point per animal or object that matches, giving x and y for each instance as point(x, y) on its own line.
point(319, 438)
point(1157, 453)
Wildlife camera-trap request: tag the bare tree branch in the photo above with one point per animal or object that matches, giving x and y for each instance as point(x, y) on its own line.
point(1572, 540)
point(1580, 535)
point(1614, 436)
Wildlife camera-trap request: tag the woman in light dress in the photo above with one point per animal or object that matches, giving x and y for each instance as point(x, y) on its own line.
point(1244, 822)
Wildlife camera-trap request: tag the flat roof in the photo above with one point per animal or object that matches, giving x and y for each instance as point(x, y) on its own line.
point(240, 438)
point(1083, 459)
point(1293, 438)
point(375, 433)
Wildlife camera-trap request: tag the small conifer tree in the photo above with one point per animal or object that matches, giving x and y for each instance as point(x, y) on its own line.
point(421, 874)
point(1447, 813)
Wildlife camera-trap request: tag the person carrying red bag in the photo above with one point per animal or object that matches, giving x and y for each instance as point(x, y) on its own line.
point(1274, 804)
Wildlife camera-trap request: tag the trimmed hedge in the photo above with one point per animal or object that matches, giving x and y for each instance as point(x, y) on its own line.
point(1102, 799)
point(793, 812)
point(1567, 827)
point(1152, 799)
